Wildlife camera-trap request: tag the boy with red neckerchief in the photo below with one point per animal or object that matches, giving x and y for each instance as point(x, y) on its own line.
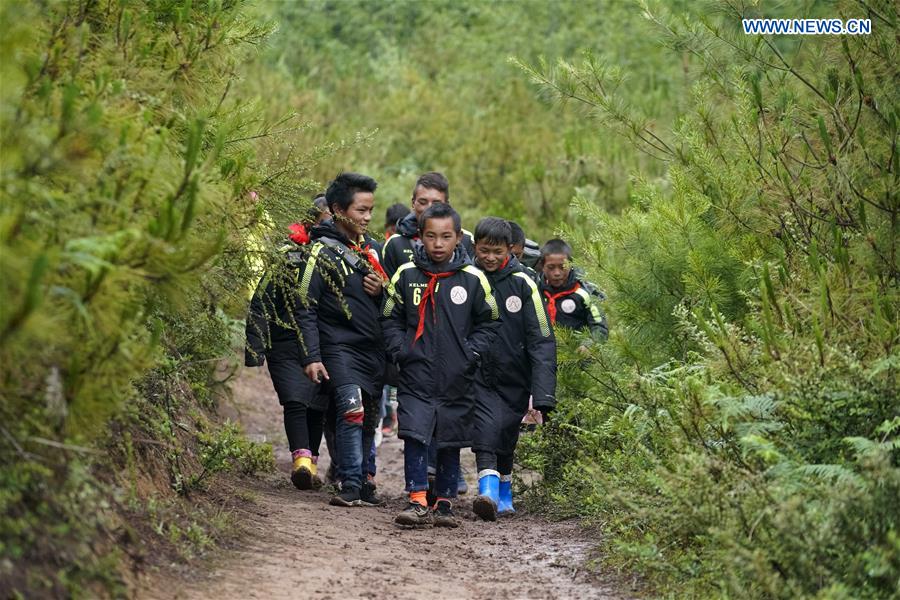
point(439, 319)
point(340, 293)
point(571, 301)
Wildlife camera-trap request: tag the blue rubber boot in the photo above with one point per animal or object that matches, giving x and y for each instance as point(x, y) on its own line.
point(505, 506)
point(485, 504)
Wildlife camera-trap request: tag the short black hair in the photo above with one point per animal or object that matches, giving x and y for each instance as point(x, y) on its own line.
point(556, 246)
point(440, 211)
point(433, 181)
point(313, 211)
point(518, 234)
point(395, 212)
point(493, 230)
point(340, 191)
point(320, 202)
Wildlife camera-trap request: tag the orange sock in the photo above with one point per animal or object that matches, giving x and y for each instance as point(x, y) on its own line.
point(419, 497)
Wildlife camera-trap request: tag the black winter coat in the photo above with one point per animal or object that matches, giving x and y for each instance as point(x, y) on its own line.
point(273, 332)
point(341, 330)
point(435, 392)
point(400, 247)
point(577, 305)
point(271, 327)
point(520, 363)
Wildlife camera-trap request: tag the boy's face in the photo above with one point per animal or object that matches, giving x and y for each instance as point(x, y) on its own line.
point(358, 215)
point(490, 256)
point(424, 197)
point(556, 269)
point(440, 239)
point(517, 250)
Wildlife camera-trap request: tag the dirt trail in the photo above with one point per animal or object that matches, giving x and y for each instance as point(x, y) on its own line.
point(296, 546)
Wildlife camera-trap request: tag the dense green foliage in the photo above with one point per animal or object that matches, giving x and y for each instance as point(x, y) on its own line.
point(740, 434)
point(736, 197)
point(124, 219)
point(434, 80)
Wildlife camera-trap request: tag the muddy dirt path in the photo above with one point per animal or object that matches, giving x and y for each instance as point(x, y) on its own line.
point(296, 546)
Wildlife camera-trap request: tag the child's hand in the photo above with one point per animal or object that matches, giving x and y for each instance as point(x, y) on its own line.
point(373, 284)
point(316, 372)
point(545, 415)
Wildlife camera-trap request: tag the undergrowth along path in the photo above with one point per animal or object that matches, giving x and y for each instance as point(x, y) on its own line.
point(294, 545)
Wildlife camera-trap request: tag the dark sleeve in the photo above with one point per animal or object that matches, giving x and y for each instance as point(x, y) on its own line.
point(468, 245)
point(540, 344)
point(393, 319)
point(596, 318)
point(389, 259)
point(306, 298)
point(485, 315)
point(375, 245)
point(257, 328)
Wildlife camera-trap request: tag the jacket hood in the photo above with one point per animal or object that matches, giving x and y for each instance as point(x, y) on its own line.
point(459, 259)
point(327, 228)
point(408, 226)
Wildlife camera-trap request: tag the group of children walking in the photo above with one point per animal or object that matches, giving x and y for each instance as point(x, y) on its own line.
point(453, 320)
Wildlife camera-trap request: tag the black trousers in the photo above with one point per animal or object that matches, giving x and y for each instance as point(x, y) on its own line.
point(303, 403)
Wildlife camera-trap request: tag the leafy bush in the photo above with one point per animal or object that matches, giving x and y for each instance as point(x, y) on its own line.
point(738, 436)
point(128, 242)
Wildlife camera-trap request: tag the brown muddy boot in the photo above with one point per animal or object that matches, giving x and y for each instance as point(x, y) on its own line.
point(414, 515)
point(443, 515)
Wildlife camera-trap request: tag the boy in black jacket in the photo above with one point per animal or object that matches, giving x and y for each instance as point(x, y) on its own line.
point(431, 188)
point(439, 318)
point(572, 301)
point(341, 293)
point(520, 363)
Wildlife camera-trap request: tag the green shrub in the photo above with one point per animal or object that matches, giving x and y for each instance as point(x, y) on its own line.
point(738, 435)
point(128, 244)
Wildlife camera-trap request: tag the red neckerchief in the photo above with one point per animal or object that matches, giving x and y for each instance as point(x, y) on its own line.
point(298, 235)
point(551, 305)
point(429, 294)
point(373, 261)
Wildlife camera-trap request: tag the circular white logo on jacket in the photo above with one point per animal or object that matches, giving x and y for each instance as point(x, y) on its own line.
point(568, 305)
point(458, 294)
point(513, 304)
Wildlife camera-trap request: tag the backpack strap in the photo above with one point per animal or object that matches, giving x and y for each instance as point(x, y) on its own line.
point(341, 249)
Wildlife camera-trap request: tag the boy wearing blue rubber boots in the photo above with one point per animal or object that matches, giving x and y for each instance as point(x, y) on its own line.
point(439, 319)
point(521, 363)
